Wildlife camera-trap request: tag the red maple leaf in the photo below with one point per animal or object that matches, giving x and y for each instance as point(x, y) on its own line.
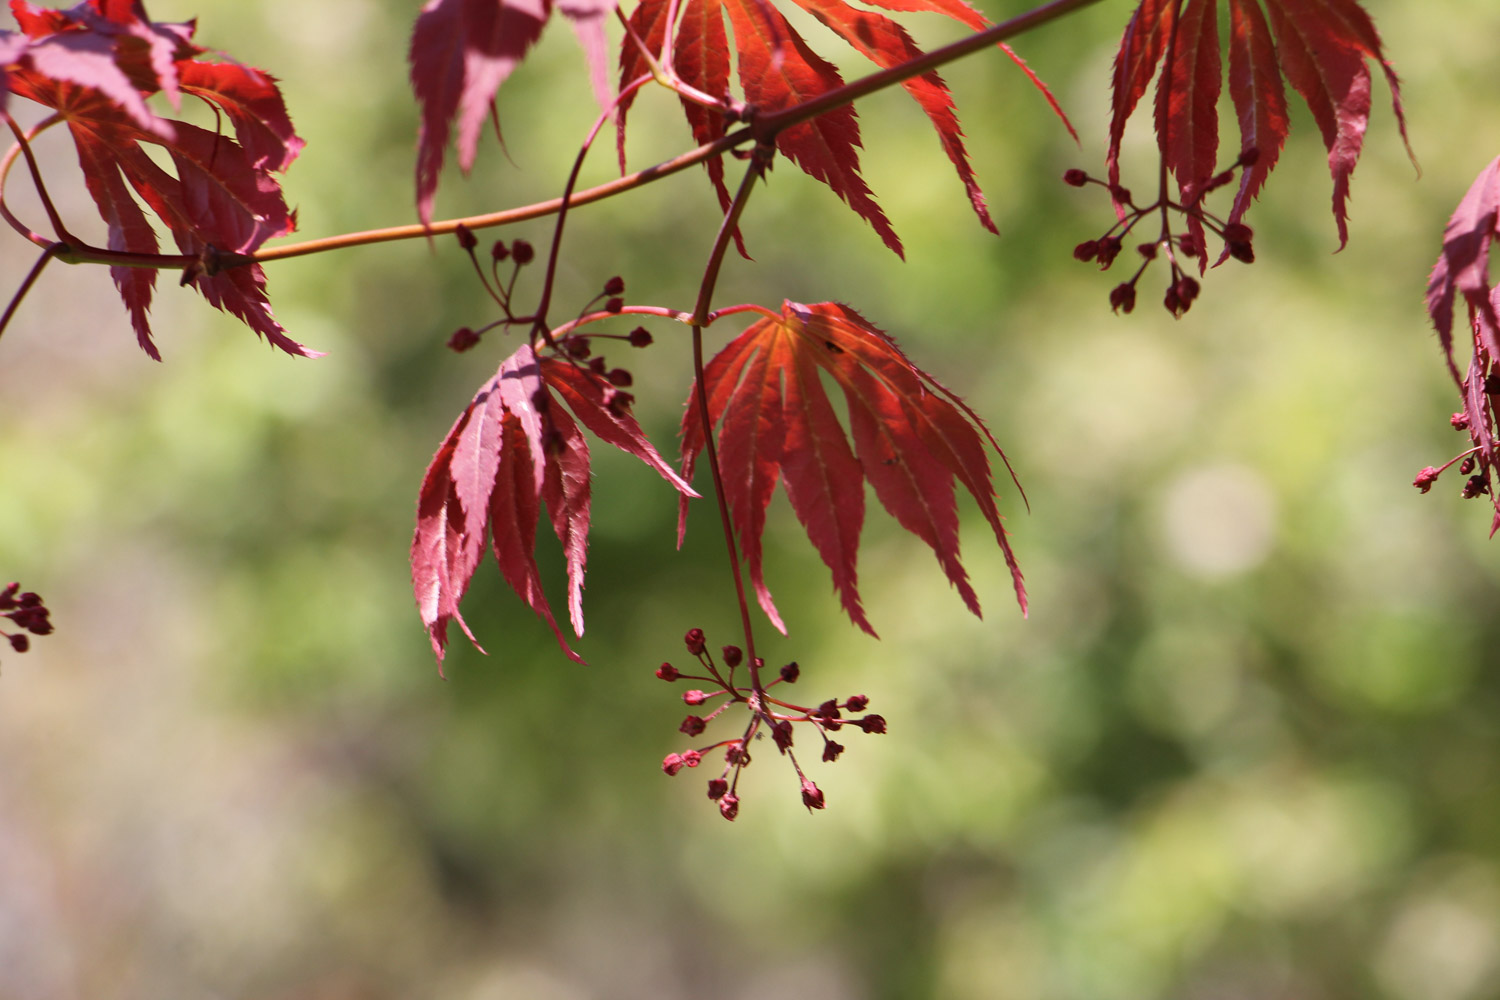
point(463, 50)
point(513, 448)
point(911, 438)
point(1322, 48)
point(777, 70)
point(1463, 269)
point(95, 65)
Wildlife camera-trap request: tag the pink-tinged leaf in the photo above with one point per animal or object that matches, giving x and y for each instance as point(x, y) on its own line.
point(515, 508)
point(778, 70)
point(1187, 108)
point(461, 52)
point(88, 61)
point(474, 465)
point(1463, 265)
point(886, 43)
point(1259, 98)
point(438, 567)
point(519, 386)
point(586, 18)
point(566, 491)
point(590, 398)
point(911, 437)
point(1140, 51)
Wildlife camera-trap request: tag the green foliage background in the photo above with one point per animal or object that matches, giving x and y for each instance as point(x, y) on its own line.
point(1245, 746)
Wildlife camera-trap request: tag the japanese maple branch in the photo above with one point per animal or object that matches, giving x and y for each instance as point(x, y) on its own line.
point(48, 253)
point(23, 145)
point(763, 126)
point(759, 160)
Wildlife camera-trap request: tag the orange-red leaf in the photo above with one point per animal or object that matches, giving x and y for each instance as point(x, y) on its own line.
point(911, 438)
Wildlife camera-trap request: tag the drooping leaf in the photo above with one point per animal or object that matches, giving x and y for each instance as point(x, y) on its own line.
point(1323, 49)
point(514, 448)
point(95, 65)
point(463, 50)
point(774, 422)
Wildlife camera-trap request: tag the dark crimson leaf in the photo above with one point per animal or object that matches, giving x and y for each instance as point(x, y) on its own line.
point(911, 438)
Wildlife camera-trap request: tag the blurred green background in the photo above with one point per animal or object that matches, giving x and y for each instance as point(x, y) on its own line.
point(1245, 746)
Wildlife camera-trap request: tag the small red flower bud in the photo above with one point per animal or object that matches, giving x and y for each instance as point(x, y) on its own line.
point(1238, 232)
point(500, 251)
point(1122, 297)
point(1249, 157)
point(614, 286)
point(692, 726)
point(1474, 486)
point(717, 788)
point(733, 656)
point(1086, 251)
point(1187, 244)
point(831, 751)
point(577, 347)
point(729, 807)
point(872, 724)
point(1147, 250)
point(20, 643)
point(829, 709)
point(640, 337)
point(791, 672)
point(596, 364)
point(856, 703)
point(618, 403)
point(1466, 466)
point(1109, 249)
point(667, 672)
point(1219, 180)
point(781, 734)
point(737, 754)
point(8, 596)
point(466, 237)
point(1121, 194)
point(463, 338)
point(619, 376)
point(812, 795)
point(694, 641)
point(672, 763)
point(1426, 478)
point(1242, 252)
point(523, 252)
point(694, 697)
point(692, 758)
point(1460, 422)
point(1075, 177)
point(614, 305)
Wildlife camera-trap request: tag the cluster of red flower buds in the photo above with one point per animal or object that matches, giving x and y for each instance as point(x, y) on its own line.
point(1475, 463)
point(1183, 289)
point(766, 714)
point(518, 253)
point(26, 612)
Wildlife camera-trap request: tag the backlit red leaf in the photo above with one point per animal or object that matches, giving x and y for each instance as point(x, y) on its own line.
point(911, 438)
point(1323, 48)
